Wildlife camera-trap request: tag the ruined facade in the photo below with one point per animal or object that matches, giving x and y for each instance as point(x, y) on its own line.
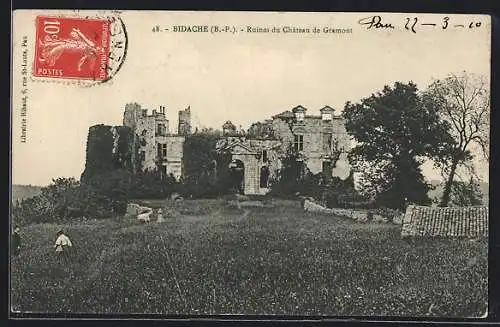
point(321, 142)
point(158, 148)
point(184, 128)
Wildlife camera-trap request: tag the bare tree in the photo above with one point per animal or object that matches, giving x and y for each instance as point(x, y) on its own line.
point(463, 101)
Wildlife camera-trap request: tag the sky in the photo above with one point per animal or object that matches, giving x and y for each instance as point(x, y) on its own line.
point(244, 77)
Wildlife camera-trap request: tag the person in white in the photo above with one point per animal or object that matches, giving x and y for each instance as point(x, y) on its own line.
point(160, 216)
point(63, 243)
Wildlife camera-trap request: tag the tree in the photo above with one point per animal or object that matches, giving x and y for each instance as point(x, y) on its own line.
point(59, 185)
point(464, 102)
point(57, 194)
point(394, 132)
point(334, 152)
point(374, 180)
point(152, 184)
point(200, 164)
point(466, 193)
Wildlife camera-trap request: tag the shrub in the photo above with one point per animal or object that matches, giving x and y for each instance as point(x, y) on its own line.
point(388, 213)
point(199, 187)
point(205, 169)
point(101, 196)
point(152, 185)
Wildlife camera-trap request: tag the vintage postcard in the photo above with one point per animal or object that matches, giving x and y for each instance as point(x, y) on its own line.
point(250, 163)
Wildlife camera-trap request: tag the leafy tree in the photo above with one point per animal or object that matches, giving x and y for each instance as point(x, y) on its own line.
point(463, 101)
point(466, 193)
point(374, 179)
point(151, 184)
point(336, 192)
point(208, 131)
point(224, 179)
point(200, 164)
point(57, 194)
point(294, 177)
point(115, 186)
point(199, 153)
point(64, 198)
point(394, 131)
point(36, 209)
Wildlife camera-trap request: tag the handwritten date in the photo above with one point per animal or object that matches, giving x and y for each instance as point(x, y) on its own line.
point(410, 24)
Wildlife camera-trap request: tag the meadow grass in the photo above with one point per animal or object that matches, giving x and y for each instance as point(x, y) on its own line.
point(210, 257)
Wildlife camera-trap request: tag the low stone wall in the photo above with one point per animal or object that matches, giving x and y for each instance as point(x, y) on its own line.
point(355, 214)
point(314, 207)
point(361, 215)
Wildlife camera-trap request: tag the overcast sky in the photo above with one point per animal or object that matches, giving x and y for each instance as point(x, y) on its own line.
point(242, 78)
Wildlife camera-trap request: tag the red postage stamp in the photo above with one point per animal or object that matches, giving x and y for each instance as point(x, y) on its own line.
point(72, 48)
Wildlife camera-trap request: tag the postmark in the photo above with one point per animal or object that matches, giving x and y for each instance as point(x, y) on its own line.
point(82, 49)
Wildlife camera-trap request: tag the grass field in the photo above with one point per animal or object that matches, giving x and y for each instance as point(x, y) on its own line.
point(211, 257)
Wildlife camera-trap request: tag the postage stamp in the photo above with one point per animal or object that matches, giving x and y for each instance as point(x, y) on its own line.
point(79, 48)
point(71, 48)
point(249, 164)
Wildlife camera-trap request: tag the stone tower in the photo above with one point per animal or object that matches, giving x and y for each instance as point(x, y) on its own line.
point(133, 112)
point(185, 122)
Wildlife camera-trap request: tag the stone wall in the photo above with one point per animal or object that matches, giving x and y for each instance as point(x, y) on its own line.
point(150, 138)
point(251, 172)
point(174, 148)
point(360, 215)
point(184, 126)
point(313, 129)
point(273, 162)
point(145, 130)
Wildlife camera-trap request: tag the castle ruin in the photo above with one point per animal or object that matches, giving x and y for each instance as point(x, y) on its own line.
point(158, 148)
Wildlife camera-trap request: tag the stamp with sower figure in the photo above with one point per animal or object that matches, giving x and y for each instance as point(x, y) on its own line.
point(79, 48)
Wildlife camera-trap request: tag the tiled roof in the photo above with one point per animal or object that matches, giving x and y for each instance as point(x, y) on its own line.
point(326, 109)
point(228, 124)
point(469, 222)
point(285, 114)
point(299, 108)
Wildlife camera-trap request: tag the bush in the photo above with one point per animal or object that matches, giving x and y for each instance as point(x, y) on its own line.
point(152, 185)
point(101, 196)
point(199, 187)
point(206, 172)
point(388, 213)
